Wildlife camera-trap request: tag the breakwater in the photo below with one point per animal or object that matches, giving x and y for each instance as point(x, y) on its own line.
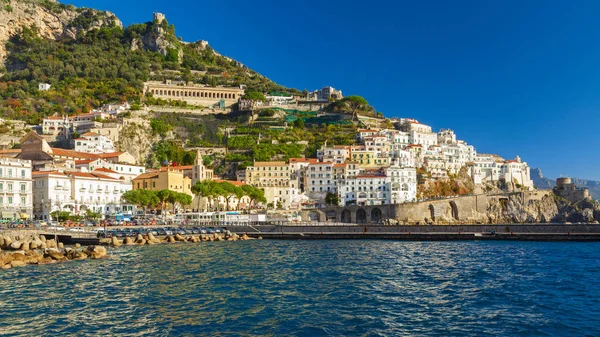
point(525, 232)
point(22, 248)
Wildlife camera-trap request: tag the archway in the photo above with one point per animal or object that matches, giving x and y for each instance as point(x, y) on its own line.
point(313, 216)
point(454, 210)
point(375, 215)
point(330, 216)
point(346, 217)
point(361, 216)
point(432, 212)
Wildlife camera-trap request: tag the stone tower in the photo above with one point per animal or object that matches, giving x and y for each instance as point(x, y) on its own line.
point(159, 17)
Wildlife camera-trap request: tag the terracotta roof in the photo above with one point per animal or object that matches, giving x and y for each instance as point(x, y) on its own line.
point(322, 163)
point(234, 182)
point(90, 134)
point(54, 117)
point(109, 155)
point(147, 175)
point(73, 153)
point(341, 146)
point(42, 173)
point(339, 165)
point(269, 163)
point(85, 161)
point(303, 160)
point(89, 175)
point(367, 130)
point(102, 169)
point(10, 151)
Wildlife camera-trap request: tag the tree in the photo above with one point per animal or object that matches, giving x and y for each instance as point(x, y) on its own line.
point(255, 194)
point(356, 103)
point(202, 190)
point(299, 123)
point(332, 199)
point(163, 197)
point(230, 191)
point(254, 97)
point(141, 198)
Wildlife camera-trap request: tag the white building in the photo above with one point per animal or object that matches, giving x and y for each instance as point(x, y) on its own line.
point(337, 154)
point(116, 170)
point(279, 99)
point(325, 94)
point(490, 168)
point(44, 86)
point(91, 142)
point(63, 126)
point(77, 192)
point(15, 189)
point(320, 179)
point(403, 183)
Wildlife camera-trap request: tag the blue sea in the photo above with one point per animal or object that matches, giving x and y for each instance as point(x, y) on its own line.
point(312, 288)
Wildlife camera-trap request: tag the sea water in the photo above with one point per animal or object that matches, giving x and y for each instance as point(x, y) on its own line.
point(312, 288)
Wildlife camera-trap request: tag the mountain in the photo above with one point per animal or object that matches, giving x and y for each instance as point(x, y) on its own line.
point(545, 183)
point(90, 59)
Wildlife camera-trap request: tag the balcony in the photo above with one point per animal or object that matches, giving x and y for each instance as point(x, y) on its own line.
point(58, 187)
point(24, 191)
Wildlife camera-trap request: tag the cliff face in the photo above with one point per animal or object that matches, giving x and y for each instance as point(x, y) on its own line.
point(52, 20)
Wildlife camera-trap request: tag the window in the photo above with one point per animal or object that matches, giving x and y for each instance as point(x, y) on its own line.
point(23, 187)
point(10, 187)
point(22, 201)
point(10, 200)
point(22, 173)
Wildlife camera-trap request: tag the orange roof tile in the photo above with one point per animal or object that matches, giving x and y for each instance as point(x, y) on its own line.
point(73, 153)
point(234, 182)
point(103, 169)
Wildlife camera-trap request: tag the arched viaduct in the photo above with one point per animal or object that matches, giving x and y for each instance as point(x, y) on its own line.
point(454, 209)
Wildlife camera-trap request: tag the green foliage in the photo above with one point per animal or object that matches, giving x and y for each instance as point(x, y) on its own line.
point(332, 199)
point(255, 96)
point(160, 127)
point(211, 189)
point(135, 107)
point(169, 150)
point(299, 123)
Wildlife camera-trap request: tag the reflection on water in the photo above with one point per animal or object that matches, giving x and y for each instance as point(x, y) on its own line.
point(311, 288)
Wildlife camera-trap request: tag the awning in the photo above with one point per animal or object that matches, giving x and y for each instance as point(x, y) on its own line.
point(8, 215)
point(24, 216)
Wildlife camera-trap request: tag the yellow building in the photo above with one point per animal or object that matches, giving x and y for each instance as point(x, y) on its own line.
point(268, 173)
point(273, 177)
point(166, 179)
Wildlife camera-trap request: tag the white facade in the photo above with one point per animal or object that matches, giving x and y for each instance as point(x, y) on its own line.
point(118, 171)
point(488, 168)
point(56, 125)
point(44, 86)
point(320, 179)
point(77, 192)
point(15, 189)
point(367, 189)
point(91, 142)
point(403, 184)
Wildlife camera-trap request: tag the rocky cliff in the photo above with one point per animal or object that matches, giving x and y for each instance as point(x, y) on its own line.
point(52, 20)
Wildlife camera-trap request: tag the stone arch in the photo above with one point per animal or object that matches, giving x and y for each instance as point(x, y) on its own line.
point(330, 216)
point(361, 216)
point(432, 212)
point(454, 209)
point(376, 215)
point(313, 216)
point(346, 216)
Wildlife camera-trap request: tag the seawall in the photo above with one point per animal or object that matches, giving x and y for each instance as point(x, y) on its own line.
point(515, 232)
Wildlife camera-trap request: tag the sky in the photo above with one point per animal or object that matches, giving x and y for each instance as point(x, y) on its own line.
point(509, 77)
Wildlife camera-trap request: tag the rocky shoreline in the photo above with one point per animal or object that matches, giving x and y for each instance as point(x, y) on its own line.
point(23, 250)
